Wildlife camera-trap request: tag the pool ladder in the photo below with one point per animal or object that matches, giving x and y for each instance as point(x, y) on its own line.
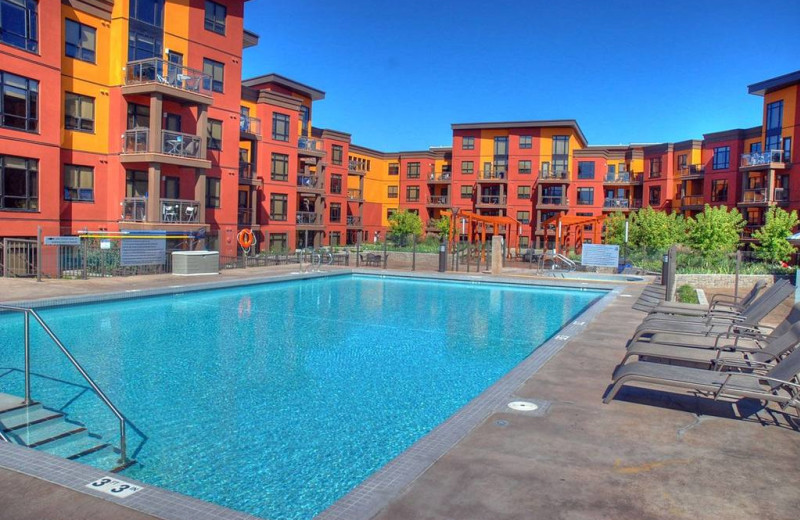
point(556, 258)
point(28, 423)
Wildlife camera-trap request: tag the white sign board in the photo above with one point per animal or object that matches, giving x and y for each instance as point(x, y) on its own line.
point(105, 244)
point(600, 255)
point(62, 241)
point(114, 486)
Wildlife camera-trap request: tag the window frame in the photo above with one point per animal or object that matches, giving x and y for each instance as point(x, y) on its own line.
point(276, 160)
point(524, 192)
point(524, 219)
point(278, 120)
point(525, 142)
point(29, 40)
point(583, 174)
point(722, 158)
point(80, 52)
point(394, 168)
point(412, 170)
point(465, 170)
point(211, 81)
point(31, 94)
point(468, 139)
point(392, 192)
point(336, 183)
point(337, 153)
point(214, 22)
point(213, 192)
point(78, 100)
point(79, 191)
point(337, 217)
point(467, 191)
point(525, 167)
point(580, 201)
point(31, 181)
point(276, 216)
point(213, 143)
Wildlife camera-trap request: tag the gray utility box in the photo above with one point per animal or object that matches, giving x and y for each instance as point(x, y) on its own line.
point(189, 263)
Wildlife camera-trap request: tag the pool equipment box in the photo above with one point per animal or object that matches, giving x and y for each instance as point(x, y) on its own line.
point(190, 263)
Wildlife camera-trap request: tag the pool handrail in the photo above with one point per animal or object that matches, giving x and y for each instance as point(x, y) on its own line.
point(27, 312)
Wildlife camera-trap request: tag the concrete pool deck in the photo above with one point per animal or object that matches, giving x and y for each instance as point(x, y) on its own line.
point(645, 455)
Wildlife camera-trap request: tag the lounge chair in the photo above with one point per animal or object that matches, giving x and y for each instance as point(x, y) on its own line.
point(719, 302)
point(778, 384)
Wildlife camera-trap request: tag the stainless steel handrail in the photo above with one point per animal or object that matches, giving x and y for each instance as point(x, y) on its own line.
point(30, 312)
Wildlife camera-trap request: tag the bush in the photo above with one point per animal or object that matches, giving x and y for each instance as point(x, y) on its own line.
point(687, 294)
point(656, 229)
point(772, 245)
point(715, 232)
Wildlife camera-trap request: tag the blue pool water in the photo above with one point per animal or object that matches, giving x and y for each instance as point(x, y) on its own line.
point(278, 399)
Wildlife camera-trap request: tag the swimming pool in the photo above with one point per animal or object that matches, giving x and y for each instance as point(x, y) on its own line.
point(277, 399)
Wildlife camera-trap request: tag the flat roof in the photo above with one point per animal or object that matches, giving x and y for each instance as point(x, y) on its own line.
point(771, 85)
point(296, 86)
point(572, 123)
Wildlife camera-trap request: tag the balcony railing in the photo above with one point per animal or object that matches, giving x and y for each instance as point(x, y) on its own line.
point(308, 218)
point(178, 210)
point(245, 217)
point(354, 166)
point(306, 143)
point(439, 199)
point(781, 195)
point(692, 200)
point(756, 195)
point(549, 175)
point(492, 199)
point(134, 209)
point(250, 125)
point(353, 221)
point(246, 171)
point(761, 158)
point(692, 169)
point(159, 71)
point(180, 144)
point(441, 176)
point(617, 202)
point(136, 140)
point(354, 194)
point(553, 200)
point(618, 177)
point(498, 173)
point(313, 182)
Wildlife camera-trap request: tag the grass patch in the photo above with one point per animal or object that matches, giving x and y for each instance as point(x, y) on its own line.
point(687, 294)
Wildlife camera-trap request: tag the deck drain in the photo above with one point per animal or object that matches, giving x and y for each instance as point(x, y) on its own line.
point(523, 406)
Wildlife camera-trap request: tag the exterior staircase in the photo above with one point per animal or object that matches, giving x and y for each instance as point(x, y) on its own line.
point(41, 428)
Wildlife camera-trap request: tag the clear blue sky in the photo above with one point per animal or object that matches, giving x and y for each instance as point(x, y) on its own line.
point(397, 73)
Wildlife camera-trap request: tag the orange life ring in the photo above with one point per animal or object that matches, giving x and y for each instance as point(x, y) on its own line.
point(245, 238)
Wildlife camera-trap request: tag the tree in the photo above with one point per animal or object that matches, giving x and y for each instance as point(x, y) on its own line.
point(404, 223)
point(615, 228)
point(716, 231)
point(654, 229)
point(772, 238)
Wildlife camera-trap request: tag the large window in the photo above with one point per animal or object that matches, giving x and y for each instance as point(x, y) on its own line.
point(412, 193)
point(304, 119)
point(467, 167)
point(213, 192)
point(787, 149)
point(80, 41)
point(722, 158)
point(278, 242)
point(394, 169)
point(655, 167)
point(138, 116)
point(336, 212)
point(524, 217)
point(585, 196)
point(215, 17)
point(523, 192)
point(78, 112)
point(19, 103)
point(145, 32)
point(278, 203)
point(214, 135)
point(280, 167)
point(525, 167)
point(336, 154)
point(135, 183)
point(19, 183)
point(19, 24)
point(412, 170)
point(150, 12)
point(719, 190)
point(585, 169)
point(467, 143)
point(560, 153)
point(466, 191)
point(336, 183)
point(772, 139)
point(280, 127)
point(525, 142)
point(78, 183)
point(682, 161)
point(655, 196)
point(391, 192)
point(216, 75)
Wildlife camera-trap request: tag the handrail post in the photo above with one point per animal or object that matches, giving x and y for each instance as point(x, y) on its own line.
point(27, 334)
point(123, 443)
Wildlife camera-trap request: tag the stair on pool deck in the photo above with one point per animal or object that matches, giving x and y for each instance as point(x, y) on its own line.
point(37, 427)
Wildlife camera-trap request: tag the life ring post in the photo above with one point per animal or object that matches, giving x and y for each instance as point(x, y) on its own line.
point(246, 239)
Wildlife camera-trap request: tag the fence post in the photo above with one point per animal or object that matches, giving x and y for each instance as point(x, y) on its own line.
point(736, 279)
point(38, 253)
point(672, 256)
point(468, 253)
point(85, 257)
point(385, 254)
point(358, 250)
point(414, 253)
point(5, 258)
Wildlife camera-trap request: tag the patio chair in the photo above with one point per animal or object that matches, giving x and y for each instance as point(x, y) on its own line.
point(778, 384)
point(722, 302)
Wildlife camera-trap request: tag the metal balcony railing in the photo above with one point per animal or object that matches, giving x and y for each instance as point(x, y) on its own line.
point(692, 169)
point(355, 166)
point(440, 176)
point(136, 140)
point(157, 70)
point(313, 182)
point(179, 210)
point(618, 177)
point(692, 200)
point(180, 144)
point(553, 200)
point(246, 171)
point(617, 202)
point(494, 173)
point(250, 125)
point(307, 143)
point(134, 209)
point(439, 199)
point(353, 221)
point(761, 158)
point(492, 199)
point(755, 195)
point(354, 194)
point(308, 217)
point(781, 195)
point(245, 217)
point(548, 175)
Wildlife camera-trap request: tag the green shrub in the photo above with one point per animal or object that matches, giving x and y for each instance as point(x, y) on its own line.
point(687, 294)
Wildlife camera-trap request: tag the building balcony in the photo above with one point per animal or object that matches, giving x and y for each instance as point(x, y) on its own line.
point(355, 195)
point(692, 202)
point(309, 219)
point(250, 128)
point(773, 159)
point(245, 219)
point(353, 168)
point(440, 177)
point(354, 222)
point(624, 178)
point(157, 76)
point(781, 196)
point(493, 175)
point(491, 201)
point(620, 204)
point(554, 176)
point(247, 174)
point(172, 211)
point(692, 171)
point(309, 146)
point(754, 197)
point(310, 184)
point(174, 148)
point(438, 201)
point(553, 202)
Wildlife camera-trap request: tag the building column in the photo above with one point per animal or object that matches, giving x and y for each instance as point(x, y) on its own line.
point(153, 192)
point(202, 129)
point(200, 193)
point(253, 206)
point(154, 144)
point(770, 185)
point(361, 203)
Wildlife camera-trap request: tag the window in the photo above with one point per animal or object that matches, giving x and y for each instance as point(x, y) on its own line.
point(78, 183)
point(467, 167)
point(394, 169)
point(585, 196)
point(80, 41)
point(719, 191)
point(501, 146)
point(280, 167)
point(18, 24)
point(524, 217)
point(214, 135)
point(19, 183)
point(150, 12)
point(787, 149)
point(585, 169)
point(392, 192)
point(336, 212)
point(215, 72)
point(304, 118)
point(722, 158)
point(135, 183)
point(138, 116)
point(655, 167)
point(79, 112)
point(390, 213)
point(466, 191)
point(280, 127)
point(524, 241)
point(682, 161)
point(412, 193)
point(560, 154)
point(336, 154)
point(172, 187)
point(467, 143)
point(412, 170)
point(772, 139)
point(277, 206)
point(336, 183)
point(145, 31)
point(655, 196)
point(525, 142)
point(336, 238)
point(278, 242)
point(215, 17)
point(213, 192)
point(755, 147)
point(523, 192)
point(19, 104)
point(524, 167)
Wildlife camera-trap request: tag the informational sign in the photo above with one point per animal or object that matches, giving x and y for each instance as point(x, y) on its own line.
point(114, 487)
point(105, 244)
point(62, 241)
point(143, 251)
point(600, 255)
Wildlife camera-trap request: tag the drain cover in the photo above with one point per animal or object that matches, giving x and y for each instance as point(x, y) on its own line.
point(523, 406)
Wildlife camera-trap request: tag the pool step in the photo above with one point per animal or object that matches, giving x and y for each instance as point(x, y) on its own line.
point(41, 428)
